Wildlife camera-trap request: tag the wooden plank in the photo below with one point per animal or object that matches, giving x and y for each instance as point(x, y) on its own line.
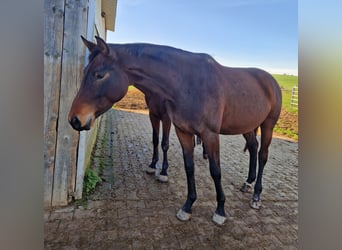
point(99, 24)
point(82, 145)
point(72, 65)
point(109, 7)
point(53, 37)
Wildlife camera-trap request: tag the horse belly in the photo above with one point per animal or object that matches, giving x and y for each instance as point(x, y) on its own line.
point(244, 120)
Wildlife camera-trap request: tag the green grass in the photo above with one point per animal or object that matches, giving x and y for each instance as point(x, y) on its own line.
point(286, 83)
point(288, 121)
point(91, 179)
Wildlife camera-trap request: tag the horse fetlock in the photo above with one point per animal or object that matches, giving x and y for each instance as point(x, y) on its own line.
point(165, 168)
point(219, 219)
point(153, 164)
point(255, 202)
point(183, 216)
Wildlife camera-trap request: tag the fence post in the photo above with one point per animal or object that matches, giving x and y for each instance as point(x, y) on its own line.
point(294, 97)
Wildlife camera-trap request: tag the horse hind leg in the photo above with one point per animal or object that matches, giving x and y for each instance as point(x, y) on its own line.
point(155, 122)
point(266, 138)
point(166, 122)
point(252, 146)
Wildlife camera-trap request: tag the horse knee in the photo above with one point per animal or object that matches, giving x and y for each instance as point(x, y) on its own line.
point(165, 146)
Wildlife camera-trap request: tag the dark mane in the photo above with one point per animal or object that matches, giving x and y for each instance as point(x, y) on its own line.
point(162, 53)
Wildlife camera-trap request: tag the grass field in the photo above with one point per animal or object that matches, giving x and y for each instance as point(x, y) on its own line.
point(286, 83)
point(288, 121)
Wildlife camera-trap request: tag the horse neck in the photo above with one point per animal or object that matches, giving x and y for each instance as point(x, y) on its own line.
point(146, 73)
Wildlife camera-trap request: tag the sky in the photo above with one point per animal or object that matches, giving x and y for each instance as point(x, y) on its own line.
point(237, 33)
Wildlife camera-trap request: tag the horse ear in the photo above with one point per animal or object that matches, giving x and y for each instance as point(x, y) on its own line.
point(90, 45)
point(102, 45)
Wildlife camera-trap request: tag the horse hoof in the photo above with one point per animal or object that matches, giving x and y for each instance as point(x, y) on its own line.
point(183, 216)
point(256, 204)
point(163, 178)
point(219, 219)
point(150, 170)
point(246, 188)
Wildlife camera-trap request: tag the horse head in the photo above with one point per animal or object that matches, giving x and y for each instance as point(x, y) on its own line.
point(102, 85)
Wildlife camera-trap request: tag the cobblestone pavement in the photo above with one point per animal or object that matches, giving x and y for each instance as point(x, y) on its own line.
point(131, 210)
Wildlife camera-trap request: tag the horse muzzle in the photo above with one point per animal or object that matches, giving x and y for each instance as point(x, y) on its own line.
point(77, 125)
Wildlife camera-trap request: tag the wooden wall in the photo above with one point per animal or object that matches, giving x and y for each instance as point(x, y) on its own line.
point(65, 21)
point(66, 151)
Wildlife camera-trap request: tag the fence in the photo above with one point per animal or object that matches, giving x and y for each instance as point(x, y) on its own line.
point(294, 97)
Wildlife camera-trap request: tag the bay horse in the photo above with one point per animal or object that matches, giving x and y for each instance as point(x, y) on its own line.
point(201, 97)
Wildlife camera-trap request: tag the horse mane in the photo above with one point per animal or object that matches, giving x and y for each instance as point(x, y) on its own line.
point(160, 52)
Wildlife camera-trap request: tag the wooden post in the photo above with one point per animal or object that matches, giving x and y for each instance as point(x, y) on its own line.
point(53, 42)
point(72, 65)
point(65, 21)
point(81, 160)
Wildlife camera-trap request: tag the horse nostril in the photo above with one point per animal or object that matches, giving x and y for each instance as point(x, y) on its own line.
point(75, 123)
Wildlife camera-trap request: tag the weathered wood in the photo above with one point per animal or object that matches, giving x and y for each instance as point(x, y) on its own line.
point(82, 159)
point(99, 20)
point(72, 66)
point(64, 56)
point(53, 41)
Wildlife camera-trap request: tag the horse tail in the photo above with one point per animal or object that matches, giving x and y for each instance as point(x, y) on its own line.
point(246, 145)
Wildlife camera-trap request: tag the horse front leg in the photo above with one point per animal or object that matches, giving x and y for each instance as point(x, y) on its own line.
point(155, 122)
point(166, 123)
point(186, 141)
point(212, 143)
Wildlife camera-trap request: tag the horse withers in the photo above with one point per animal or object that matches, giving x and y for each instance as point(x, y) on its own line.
point(201, 98)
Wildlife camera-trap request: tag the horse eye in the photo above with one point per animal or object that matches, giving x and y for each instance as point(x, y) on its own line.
point(99, 75)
